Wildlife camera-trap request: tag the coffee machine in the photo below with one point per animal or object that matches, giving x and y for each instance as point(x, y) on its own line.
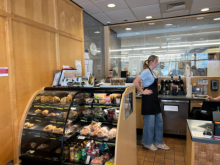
point(164, 88)
point(179, 83)
point(171, 83)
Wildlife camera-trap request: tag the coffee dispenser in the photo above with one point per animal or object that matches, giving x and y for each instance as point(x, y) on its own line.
point(171, 83)
point(164, 85)
point(179, 83)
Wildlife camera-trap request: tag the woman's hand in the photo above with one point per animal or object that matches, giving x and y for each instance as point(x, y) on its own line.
point(209, 98)
point(147, 92)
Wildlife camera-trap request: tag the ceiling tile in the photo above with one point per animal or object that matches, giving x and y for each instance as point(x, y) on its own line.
point(147, 10)
point(175, 13)
point(132, 19)
point(80, 1)
point(90, 8)
point(139, 3)
point(120, 14)
point(197, 4)
point(211, 9)
point(102, 17)
point(143, 18)
point(102, 4)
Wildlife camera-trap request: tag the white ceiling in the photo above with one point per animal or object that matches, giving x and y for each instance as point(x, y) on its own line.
point(137, 10)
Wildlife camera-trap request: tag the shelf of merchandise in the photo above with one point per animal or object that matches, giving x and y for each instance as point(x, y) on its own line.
point(124, 144)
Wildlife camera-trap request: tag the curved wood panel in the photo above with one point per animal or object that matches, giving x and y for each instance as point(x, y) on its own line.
point(126, 147)
point(2, 4)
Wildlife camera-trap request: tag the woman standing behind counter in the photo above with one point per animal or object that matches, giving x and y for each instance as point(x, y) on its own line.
point(151, 111)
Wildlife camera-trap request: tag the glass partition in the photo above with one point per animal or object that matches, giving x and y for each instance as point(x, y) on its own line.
point(194, 41)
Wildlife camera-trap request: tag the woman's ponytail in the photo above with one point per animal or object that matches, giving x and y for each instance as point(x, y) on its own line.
point(145, 65)
point(147, 62)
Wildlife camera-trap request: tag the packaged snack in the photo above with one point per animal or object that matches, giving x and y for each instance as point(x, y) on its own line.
point(112, 133)
point(106, 157)
point(94, 126)
point(108, 100)
point(89, 100)
point(100, 115)
point(111, 112)
point(103, 132)
point(100, 95)
point(88, 113)
point(97, 161)
point(86, 130)
point(94, 132)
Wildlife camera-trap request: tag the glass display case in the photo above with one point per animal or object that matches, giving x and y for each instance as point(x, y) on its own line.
point(73, 125)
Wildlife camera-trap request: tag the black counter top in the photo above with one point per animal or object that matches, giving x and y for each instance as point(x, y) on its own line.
point(196, 129)
point(171, 97)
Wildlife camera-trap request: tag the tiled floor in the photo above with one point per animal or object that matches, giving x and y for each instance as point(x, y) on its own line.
point(174, 156)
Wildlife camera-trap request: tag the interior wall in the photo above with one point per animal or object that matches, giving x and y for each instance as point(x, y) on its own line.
point(36, 37)
point(91, 25)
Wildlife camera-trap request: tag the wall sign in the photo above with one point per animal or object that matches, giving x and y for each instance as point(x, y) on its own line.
point(128, 105)
point(3, 71)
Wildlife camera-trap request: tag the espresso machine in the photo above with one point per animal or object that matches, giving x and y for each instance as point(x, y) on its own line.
point(164, 87)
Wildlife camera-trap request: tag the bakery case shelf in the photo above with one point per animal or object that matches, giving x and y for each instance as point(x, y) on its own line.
point(58, 118)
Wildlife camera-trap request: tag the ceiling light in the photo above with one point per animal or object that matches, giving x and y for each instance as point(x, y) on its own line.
point(216, 43)
point(108, 22)
point(169, 24)
point(216, 19)
point(146, 48)
point(193, 56)
point(97, 32)
point(148, 17)
point(118, 50)
point(128, 29)
point(151, 23)
point(175, 46)
point(111, 5)
point(205, 9)
point(194, 27)
point(200, 17)
point(118, 57)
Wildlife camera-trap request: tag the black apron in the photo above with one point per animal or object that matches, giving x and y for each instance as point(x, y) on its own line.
point(151, 103)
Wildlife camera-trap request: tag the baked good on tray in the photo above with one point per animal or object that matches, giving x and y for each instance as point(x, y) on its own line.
point(95, 126)
point(56, 99)
point(112, 133)
point(37, 98)
point(42, 146)
point(33, 145)
point(57, 130)
point(45, 112)
point(28, 125)
point(49, 128)
point(58, 151)
point(93, 133)
point(44, 99)
point(86, 130)
point(103, 132)
point(38, 112)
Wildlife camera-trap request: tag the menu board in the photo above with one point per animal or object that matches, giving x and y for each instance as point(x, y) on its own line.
point(128, 105)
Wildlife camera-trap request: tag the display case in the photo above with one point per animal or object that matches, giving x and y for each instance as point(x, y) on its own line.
point(79, 126)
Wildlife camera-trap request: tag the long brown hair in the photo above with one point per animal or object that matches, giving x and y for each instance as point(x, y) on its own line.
point(147, 62)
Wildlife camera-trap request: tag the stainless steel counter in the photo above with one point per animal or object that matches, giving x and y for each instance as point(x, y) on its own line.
point(196, 129)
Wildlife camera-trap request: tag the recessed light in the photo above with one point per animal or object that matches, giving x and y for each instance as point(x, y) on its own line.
point(205, 9)
point(128, 29)
point(97, 32)
point(108, 22)
point(151, 23)
point(194, 27)
point(148, 17)
point(169, 24)
point(200, 17)
point(111, 5)
point(216, 19)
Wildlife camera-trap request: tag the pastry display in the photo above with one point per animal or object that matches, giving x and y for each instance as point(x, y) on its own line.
point(28, 125)
point(89, 100)
point(112, 133)
point(42, 146)
point(45, 112)
point(56, 99)
point(86, 130)
point(71, 128)
point(63, 100)
point(93, 133)
point(103, 132)
point(38, 112)
point(33, 145)
point(50, 99)
point(58, 151)
point(57, 115)
point(57, 130)
point(44, 99)
point(94, 126)
point(49, 128)
point(37, 98)
point(69, 98)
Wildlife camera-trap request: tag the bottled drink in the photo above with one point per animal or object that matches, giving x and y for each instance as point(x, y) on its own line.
point(76, 154)
point(83, 157)
point(72, 153)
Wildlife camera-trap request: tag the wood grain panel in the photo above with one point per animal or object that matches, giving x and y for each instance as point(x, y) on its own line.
point(126, 147)
point(2, 4)
point(69, 19)
point(6, 140)
point(139, 117)
point(34, 60)
point(71, 50)
point(41, 11)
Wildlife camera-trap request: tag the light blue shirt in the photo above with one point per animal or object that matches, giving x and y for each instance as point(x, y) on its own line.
point(147, 78)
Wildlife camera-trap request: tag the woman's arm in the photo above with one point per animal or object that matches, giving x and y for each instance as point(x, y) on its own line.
point(136, 83)
point(214, 99)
